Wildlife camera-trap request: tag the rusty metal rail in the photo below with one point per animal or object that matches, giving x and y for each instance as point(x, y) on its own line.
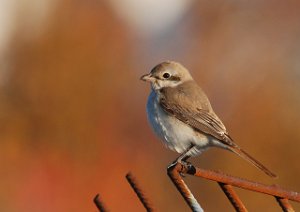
point(132, 181)
point(226, 182)
point(140, 194)
point(99, 204)
point(233, 197)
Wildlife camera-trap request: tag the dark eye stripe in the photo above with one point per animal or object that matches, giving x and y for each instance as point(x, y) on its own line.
point(174, 78)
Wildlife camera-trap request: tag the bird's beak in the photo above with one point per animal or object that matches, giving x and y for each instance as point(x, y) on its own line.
point(147, 78)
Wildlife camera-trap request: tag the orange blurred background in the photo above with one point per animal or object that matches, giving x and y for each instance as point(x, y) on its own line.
point(72, 107)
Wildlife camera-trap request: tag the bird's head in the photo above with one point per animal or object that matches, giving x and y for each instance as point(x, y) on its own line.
point(167, 74)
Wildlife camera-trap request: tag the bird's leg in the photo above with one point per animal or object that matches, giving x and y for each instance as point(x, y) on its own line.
point(184, 156)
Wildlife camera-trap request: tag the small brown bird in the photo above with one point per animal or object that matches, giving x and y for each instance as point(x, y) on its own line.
point(182, 117)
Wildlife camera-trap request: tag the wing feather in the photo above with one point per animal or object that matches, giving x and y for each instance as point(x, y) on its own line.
point(190, 105)
point(193, 108)
point(200, 120)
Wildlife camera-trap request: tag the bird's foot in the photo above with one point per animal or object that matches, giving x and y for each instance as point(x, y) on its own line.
point(185, 164)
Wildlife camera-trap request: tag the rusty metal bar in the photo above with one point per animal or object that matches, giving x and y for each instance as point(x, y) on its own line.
point(131, 180)
point(273, 190)
point(226, 182)
point(233, 197)
point(99, 204)
point(284, 204)
point(173, 172)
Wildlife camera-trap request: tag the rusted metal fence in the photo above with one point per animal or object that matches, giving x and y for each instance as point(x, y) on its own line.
point(137, 190)
point(226, 182)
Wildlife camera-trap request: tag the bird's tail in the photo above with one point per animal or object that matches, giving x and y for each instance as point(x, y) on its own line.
point(252, 160)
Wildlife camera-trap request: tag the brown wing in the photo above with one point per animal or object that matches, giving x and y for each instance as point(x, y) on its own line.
point(199, 119)
point(198, 114)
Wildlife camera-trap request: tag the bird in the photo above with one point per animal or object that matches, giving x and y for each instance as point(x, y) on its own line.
point(181, 115)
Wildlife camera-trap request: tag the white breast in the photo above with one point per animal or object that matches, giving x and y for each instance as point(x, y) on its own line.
point(174, 133)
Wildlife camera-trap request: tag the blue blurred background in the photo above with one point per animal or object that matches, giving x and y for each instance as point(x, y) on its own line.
point(72, 107)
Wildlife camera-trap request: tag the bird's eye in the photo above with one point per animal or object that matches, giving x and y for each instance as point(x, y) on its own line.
point(166, 75)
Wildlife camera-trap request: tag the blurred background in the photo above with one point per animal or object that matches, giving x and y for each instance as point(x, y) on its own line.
point(72, 107)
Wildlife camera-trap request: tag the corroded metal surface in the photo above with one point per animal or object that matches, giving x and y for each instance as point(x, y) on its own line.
point(233, 197)
point(174, 174)
point(273, 190)
point(99, 204)
point(285, 205)
point(226, 182)
point(132, 181)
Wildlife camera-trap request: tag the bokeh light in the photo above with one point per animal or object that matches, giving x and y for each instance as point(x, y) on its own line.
point(72, 107)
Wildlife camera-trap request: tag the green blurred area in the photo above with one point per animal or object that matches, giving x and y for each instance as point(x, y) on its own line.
point(72, 107)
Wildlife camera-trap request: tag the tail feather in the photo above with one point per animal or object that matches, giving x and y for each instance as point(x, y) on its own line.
point(252, 160)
